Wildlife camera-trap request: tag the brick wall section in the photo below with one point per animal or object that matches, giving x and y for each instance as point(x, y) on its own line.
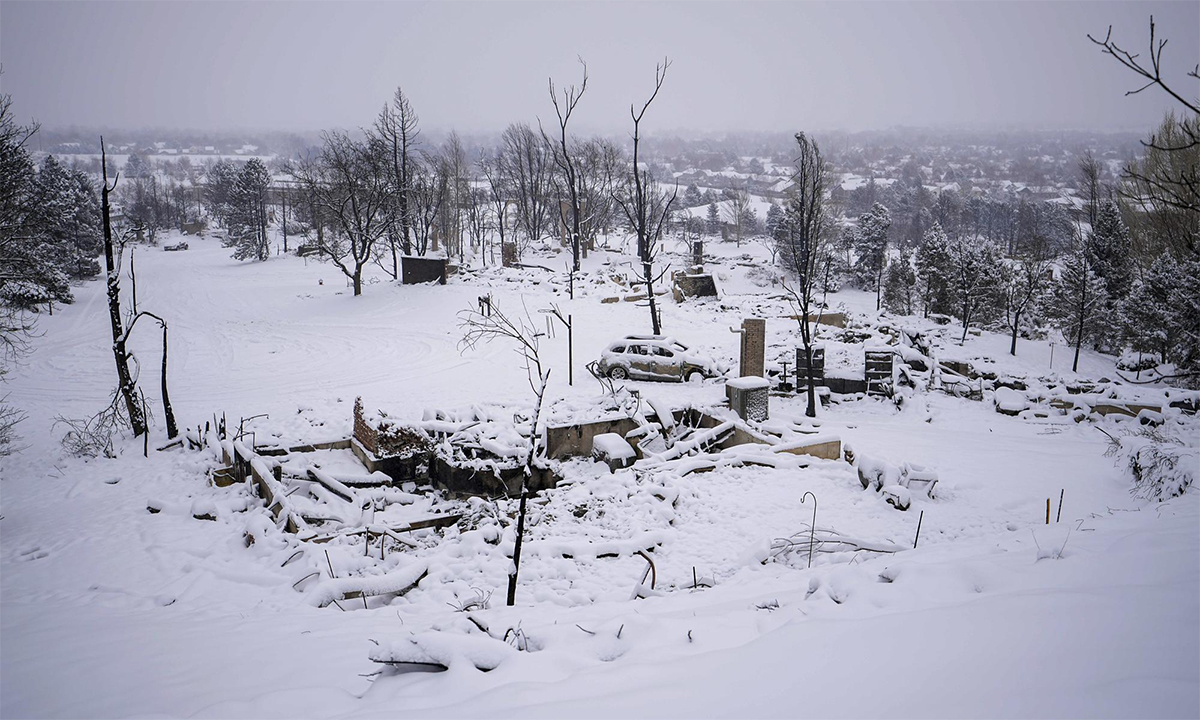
point(366, 435)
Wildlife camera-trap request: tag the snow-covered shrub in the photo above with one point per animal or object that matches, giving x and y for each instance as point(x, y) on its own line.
point(762, 277)
point(1134, 362)
point(1161, 467)
point(28, 295)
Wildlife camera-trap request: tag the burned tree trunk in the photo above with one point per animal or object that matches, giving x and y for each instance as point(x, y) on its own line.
point(126, 385)
point(647, 207)
point(168, 411)
point(525, 477)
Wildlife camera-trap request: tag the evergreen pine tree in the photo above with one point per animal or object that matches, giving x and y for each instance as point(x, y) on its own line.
point(1184, 319)
point(714, 219)
point(1079, 297)
point(974, 280)
point(1109, 247)
point(870, 246)
point(247, 217)
point(933, 266)
point(900, 285)
point(774, 216)
point(1146, 314)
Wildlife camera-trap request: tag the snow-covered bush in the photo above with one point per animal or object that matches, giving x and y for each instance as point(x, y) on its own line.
point(1162, 468)
point(1134, 362)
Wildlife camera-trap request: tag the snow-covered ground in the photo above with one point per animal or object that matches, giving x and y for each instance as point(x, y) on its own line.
point(107, 610)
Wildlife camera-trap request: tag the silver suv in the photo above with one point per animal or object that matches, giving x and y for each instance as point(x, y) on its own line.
point(654, 357)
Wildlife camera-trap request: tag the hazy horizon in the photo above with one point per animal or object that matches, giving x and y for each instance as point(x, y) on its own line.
point(746, 67)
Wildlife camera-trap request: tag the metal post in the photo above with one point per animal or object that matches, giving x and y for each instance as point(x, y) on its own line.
point(813, 528)
point(570, 352)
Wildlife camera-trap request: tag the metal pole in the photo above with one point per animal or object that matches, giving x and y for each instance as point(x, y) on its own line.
point(812, 529)
point(570, 352)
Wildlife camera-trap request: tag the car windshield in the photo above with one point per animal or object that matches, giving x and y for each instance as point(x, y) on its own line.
point(617, 349)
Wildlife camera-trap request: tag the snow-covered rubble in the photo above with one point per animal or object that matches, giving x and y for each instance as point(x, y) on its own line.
point(88, 574)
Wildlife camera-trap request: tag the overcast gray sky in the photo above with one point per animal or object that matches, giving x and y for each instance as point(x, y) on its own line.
point(479, 66)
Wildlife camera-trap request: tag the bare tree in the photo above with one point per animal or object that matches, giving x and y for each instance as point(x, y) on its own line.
point(17, 210)
point(562, 154)
point(1152, 74)
point(1169, 177)
point(1089, 180)
point(429, 192)
point(498, 189)
point(348, 185)
point(397, 128)
point(454, 163)
point(1024, 283)
point(126, 385)
point(646, 206)
point(1164, 184)
point(168, 410)
point(525, 164)
point(475, 214)
point(803, 248)
point(601, 170)
point(737, 212)
point(479, 327)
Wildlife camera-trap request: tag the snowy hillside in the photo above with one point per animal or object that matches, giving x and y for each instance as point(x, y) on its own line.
point(128, 587)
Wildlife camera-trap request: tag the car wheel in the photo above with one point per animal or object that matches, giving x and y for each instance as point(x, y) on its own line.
point(695, 377)
point(618, 373)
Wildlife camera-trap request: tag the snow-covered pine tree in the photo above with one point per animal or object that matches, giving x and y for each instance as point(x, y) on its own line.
point(1024, 284)
point(1146, 314)
point(900, 285)
point(974, 279)
point(1111, 260)
point(1184, 317)
point(220, 179)
point(247, 217)
point(1109, 247)
point(136, 168)
point(933, 267)
point(774, 216)
point(870, 248)
point(86, 226)
point(1078, 299)
point(68, 215)
point(714, 218)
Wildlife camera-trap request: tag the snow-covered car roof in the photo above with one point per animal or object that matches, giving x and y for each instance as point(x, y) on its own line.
point(660, 339)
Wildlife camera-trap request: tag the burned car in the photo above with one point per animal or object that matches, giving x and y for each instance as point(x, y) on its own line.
point(654, 357)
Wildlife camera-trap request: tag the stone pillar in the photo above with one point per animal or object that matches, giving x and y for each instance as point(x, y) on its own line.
point(698, 253)
point(754, 341)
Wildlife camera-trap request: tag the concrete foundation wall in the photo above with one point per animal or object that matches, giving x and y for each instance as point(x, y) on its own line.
point(576, 440)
